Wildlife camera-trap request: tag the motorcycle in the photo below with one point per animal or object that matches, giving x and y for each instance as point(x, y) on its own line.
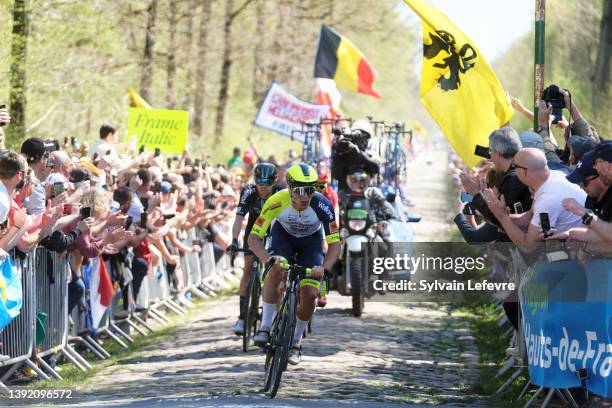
point(359, 226)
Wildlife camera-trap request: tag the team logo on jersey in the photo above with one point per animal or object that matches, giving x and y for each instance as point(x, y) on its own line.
point(272, 207)
point(260, 221)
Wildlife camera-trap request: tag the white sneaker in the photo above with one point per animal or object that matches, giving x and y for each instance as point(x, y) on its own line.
point(295, 355)
point(262, 337)
point(239, 327)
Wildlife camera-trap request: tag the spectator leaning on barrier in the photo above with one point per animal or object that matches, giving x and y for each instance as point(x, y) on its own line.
point(504, 143)
point(599, 194)
point(549, 187)
point(597, 232)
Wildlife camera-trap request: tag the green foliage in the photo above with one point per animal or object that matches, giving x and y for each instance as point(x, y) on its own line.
point(82, 56)
point(572, 39)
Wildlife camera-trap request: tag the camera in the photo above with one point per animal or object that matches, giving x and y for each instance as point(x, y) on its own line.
point(482, 151)
point(51, 145)
point(553, 96)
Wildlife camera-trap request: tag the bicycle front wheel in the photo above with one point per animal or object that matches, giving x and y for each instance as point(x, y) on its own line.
point(285, 340)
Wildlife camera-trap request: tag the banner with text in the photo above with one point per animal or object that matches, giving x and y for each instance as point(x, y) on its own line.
point(283, 113)
point(159, 128)
point(567, 324)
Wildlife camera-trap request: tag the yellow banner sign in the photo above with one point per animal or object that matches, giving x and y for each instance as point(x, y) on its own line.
point(159, 128)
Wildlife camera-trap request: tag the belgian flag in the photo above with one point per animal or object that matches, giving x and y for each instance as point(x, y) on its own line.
point(339, 59)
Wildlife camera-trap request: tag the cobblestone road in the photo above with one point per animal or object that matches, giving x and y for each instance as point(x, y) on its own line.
point(395, 353)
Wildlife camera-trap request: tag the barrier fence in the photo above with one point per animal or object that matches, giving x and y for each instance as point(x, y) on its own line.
point(43, 328)
point(563, 343)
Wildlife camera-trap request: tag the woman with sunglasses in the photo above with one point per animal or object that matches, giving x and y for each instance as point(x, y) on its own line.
point(299, 214)
point(252, 199)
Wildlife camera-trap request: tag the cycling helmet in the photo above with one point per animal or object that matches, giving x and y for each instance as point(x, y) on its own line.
point(302, 176)
point(265, 173)
point(358, 181)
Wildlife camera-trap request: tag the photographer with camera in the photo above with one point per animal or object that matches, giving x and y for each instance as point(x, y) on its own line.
point(504, 144)
point(349, 153)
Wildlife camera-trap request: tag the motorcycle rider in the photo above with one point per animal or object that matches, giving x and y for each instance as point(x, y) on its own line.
point(358, 183)
point(252, 199)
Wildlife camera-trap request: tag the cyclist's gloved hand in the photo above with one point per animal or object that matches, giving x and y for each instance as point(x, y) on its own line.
point(233, 247)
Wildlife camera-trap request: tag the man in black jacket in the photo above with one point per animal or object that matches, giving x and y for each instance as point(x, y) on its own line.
point(504, 143)
point(349, 154)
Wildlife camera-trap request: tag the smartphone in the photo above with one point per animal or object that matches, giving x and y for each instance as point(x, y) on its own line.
point(145, 203)
point(157, 152)
point(143, 219)
point(466, 197)
point(482, 151)
point(108, 152)
point(58, 188)
point(169, 216)
point(73, 141)
point(169, 163)
point(128, 223)
point(518, 208)
point(545, 223)
point(85, 212)
point(65, 140)
point(196, 163)
point(141, 150)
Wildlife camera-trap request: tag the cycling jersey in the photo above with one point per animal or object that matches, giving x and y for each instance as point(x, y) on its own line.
point(300, 224)
point(251, 203)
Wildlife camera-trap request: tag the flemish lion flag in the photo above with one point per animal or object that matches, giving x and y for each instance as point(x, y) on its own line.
point(458, 87)
point(338, 59)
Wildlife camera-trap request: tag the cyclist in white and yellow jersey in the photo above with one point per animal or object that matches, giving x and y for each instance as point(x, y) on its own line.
point(299, 214)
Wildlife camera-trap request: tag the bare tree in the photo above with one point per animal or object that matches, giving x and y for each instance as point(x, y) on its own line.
point(171, 62)
point(602, 67)
point(226, 64)
point(200, 89)
point(187, 52)
point(147, 62)
point(19, 48)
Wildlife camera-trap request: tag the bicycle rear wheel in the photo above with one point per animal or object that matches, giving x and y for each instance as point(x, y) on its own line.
point(285, 340)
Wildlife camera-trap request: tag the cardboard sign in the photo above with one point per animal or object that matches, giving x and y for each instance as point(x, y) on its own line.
point(159, 128)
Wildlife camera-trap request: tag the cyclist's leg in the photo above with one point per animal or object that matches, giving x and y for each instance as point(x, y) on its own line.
point(280, 245)
point(310, 253)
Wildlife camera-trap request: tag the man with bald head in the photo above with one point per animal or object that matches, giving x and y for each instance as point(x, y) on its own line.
point(550, 188)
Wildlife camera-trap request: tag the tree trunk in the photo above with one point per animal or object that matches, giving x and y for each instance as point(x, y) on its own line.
point(602, 66)
point(225, 70)
point(17, 96)
point(171, 64)
point(188, 56)
point(147, 62)
point(200, 90)
point(259, 69)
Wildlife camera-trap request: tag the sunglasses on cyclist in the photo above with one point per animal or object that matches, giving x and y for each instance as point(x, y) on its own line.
point(264, 182)
point(304, 190)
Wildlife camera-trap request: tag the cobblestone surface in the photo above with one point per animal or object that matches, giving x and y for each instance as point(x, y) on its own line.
point(395, 353)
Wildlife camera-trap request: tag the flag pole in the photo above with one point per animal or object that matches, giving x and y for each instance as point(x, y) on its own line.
point(538, 79)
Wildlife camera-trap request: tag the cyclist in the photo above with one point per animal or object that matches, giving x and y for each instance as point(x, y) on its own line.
point(252, 199)
point(299, 214)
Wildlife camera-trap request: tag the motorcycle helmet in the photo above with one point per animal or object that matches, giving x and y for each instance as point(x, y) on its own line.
point(358, 181)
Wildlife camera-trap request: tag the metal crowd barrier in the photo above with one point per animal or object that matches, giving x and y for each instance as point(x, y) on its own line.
point(19, 336)
point(45, 278)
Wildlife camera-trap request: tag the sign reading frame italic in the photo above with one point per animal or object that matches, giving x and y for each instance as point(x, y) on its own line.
point(159, 128)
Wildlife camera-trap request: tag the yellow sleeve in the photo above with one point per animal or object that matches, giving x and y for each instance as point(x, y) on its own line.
point(272, 207)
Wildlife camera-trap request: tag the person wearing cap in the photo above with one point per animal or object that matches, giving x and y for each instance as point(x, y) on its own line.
point(579, 146)
point(349, 154)
point(594, 229)
point(599, 194)
point(36, 155)
point(549, 187)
